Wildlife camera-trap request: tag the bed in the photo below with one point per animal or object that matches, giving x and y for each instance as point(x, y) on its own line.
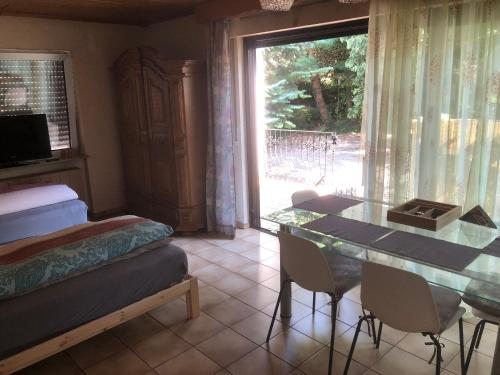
point(41, 317)
point(35, 210)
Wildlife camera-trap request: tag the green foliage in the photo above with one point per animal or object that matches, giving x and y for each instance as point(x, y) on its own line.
point(294, 100)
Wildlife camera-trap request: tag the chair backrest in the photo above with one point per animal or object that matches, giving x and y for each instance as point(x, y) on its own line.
point(400, 299)
point(305, 263)
point(303, 195)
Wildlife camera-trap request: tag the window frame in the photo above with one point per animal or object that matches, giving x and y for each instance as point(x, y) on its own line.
point(66, 58)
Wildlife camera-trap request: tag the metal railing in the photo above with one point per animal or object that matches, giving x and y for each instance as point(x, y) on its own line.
point(299, 155)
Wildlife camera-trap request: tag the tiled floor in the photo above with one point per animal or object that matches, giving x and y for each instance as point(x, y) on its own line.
point(239, 281)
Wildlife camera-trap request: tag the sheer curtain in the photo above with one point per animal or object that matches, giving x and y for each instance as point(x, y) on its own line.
point(221, 198)
point(431, 121)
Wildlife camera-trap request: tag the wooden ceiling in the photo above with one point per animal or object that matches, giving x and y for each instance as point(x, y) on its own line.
point(133, 12)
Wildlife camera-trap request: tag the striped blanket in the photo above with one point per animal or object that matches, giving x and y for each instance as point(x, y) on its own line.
point(39, 261)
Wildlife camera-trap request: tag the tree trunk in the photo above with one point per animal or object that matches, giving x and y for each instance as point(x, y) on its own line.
point(320, 100)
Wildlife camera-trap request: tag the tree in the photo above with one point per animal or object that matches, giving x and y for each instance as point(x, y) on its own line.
point(312, 82)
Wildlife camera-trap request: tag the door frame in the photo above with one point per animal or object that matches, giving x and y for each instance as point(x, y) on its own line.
point(250, 44)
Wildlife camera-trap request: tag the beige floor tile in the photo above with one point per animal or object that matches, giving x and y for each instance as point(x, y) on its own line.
point(306, 297)
point(318, 364)
point(160, 348)
point(258, 272)
point(273, 262)
point(226, 347)
point(260, 238)
point(488, 342)
point(60, 364)
point(138, 329)
point(234, 284)
point(214, 254)
point(258, 297)
point(242, 233)
point(299, 311)
point(95, 349)
point(210, 296)
point(191, 362)
point(348, 311)
point(199, 329)
point(273, 244)
point(452, 333)
point(211, 273)
point(230, 311)
point(222, 372)
point(256, 326)
point(397, 362)
point(196, 246)
point(239, 246)
point(389, 334)
point(318, 326)
point(170, 313)
point(258, 254)
point(235, 262)
point(273, 283)
point(365, 352)
point(124, 362)
point(293, 346)
point(261, 362)
point(480, 364)
point(414, 343)
point(354, 294)
point(195, 262)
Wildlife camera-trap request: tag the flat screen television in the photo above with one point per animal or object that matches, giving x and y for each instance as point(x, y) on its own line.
point(24, 138)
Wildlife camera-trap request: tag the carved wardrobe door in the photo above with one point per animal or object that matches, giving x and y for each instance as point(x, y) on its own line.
point(161, 142)
point(134, 134)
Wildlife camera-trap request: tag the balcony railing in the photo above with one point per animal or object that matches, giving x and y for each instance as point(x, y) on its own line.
point(300, 156)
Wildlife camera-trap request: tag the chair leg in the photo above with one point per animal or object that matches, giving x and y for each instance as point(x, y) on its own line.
point(481, 329)
point(472, 345)
point(372, 320)
point(439, 358)
point(332, 336)
point(275, 312)
point(314, 302)
point(462, 354)
point(353, 345)
point(368, 326)
point(379, 334)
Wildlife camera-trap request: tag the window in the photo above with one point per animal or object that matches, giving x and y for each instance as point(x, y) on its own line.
point(36, 83)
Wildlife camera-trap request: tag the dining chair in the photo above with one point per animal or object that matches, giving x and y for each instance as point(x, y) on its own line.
point(300, 197)
point(488, 312)
point(405, 301)
point(308, 266)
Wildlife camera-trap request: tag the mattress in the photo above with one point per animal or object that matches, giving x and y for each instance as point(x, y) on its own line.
point(42, 220)
point(32, 197)
point(48, 312)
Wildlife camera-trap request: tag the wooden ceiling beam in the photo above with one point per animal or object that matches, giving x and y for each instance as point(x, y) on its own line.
point(217, 9)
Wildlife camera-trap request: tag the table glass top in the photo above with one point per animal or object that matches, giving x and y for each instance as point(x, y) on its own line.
point(481, 278)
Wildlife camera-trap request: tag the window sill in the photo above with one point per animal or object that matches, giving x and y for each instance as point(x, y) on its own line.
point(41, 167)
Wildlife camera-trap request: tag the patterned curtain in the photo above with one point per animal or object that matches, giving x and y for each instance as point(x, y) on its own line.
point(431, 121)
point(221, 199)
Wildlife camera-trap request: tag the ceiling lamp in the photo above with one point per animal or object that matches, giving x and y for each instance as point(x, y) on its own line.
point(277, 5)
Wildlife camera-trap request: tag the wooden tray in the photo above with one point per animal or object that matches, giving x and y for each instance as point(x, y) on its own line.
point(424, 214)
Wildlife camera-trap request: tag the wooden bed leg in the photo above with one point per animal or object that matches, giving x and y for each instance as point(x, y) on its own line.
point(193, 299)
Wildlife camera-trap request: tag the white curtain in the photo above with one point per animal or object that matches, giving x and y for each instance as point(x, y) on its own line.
point(431, 121)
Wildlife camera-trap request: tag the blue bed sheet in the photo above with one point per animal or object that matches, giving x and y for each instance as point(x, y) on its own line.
point(42, 220)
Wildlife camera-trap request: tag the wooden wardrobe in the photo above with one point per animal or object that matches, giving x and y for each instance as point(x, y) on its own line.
point(163, 129)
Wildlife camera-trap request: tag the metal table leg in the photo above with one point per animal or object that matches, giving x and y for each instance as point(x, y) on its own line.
point(286, 297)
point(495, 370)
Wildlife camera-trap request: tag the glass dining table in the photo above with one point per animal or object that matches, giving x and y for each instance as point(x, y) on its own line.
point(479, 279)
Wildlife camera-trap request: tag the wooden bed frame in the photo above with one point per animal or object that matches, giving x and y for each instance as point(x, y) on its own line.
point(188, 287)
